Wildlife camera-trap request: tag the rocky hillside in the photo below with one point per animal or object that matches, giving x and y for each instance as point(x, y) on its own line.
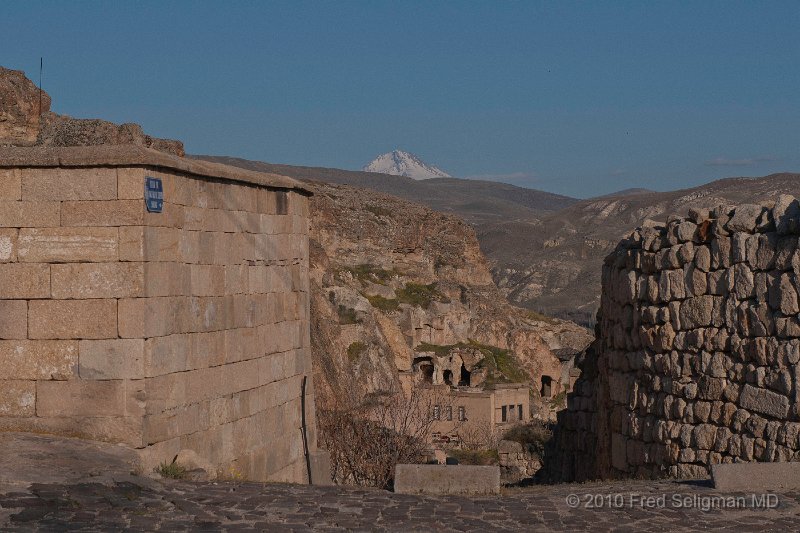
point(554, 264)
point(392, 279)
point(26, 120)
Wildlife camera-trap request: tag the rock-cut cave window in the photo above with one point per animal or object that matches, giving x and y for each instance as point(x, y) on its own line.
point(462, 413)
point(547, 386)
point(464, 380)
point(447, 375)
point(425, 369)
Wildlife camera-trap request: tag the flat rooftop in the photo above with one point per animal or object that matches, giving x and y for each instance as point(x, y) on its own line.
point(129, 155)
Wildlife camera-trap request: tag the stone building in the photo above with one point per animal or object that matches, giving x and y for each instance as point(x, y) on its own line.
point(696, 357)
point(157, 302)
point(465, 413)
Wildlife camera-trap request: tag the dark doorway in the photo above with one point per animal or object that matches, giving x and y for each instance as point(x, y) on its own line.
point(464, 380)
point(547, 387)
point(448, 377)
point(424, 367)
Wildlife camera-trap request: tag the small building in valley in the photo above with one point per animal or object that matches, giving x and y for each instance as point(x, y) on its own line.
point(471, 414)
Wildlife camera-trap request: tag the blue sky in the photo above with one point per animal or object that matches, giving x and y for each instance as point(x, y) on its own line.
point(572, 97)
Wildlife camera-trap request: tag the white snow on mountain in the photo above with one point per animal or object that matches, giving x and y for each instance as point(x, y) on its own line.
point(402, 163)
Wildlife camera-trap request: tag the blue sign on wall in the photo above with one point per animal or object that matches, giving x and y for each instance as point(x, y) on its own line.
point(153, 194)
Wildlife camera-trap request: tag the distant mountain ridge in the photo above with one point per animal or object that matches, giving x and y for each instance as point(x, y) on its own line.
point(477, 202)
point(402, 163)
point(554, 265)
point(626, 192)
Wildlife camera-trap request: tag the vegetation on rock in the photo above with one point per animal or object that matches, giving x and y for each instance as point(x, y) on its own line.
point(355, 350)
point(386, 305)
point(475, 457)
point(534, 436)
point(371, 273)
point(420, 295)
point(347, 315)
point(368, 434)
point(502, 365)
point(171, 470)
point(381, 283)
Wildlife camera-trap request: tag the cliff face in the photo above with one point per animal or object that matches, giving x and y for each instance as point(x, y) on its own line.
point(696, 358)
point(392, 281)
point(23, 123)
point(19, 109)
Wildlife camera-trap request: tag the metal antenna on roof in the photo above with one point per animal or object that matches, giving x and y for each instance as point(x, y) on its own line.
point(41, 65)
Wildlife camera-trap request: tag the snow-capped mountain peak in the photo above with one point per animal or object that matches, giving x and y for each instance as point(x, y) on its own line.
point(402, 163)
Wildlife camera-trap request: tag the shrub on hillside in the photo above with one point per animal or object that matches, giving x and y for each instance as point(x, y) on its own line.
point(355, 350)
point(367, 435)
point(533, 436)
point(475, 457)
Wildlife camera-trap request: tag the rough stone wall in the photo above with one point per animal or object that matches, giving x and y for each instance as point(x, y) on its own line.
point(516, 461)
point(181, 330)
point(695, 360)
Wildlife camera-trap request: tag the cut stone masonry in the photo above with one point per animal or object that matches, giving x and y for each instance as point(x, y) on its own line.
point(186, 329)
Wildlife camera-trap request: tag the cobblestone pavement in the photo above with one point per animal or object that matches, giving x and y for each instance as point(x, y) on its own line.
point(146, 505)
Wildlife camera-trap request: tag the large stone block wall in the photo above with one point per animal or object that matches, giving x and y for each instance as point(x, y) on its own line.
point(181, 330)
point(696, 356)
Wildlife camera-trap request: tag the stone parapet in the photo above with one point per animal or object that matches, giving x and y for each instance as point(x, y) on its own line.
point(447, 479)
point(754, 477)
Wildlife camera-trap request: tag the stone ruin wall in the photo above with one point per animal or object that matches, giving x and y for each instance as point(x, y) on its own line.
point(181, 330)
point(696, 356)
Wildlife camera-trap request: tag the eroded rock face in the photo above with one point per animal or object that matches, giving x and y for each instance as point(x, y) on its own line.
point(20, 109)
point(61, 130)
point(26, 120)
point(696, 356)
point(396, 286)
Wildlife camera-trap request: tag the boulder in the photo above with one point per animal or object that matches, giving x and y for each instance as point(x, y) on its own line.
point(786, 214)
point(686, 231)
point(764, 401)
point(20, 110)
point(699, 214)
point(696, 312)
point(782, 295)
point(745, 218)
point(702, 258)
